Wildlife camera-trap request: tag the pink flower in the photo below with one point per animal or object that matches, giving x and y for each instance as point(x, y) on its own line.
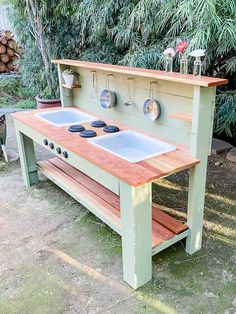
point(182, 46)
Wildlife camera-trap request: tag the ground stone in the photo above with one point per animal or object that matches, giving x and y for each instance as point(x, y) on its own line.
point(232, 155)
point(219, 146)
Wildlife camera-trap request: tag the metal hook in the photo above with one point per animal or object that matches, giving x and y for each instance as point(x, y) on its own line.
point(151, 89)
point(107, 80)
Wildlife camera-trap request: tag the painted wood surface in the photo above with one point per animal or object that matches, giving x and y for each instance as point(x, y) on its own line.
point(98, 174)
point(72, 86)
point(136, 220)
point(27, 159)
point(184, 116)
point(201, 131)
point(134, 174)
point(171, 96)
point(155, 74)
point(164, 227)
point(91, 200)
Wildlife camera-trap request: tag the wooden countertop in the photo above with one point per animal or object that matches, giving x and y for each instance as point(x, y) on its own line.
point(204, 81)
point(134, 174)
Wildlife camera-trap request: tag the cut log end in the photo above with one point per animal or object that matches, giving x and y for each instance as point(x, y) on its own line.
point(9, 52)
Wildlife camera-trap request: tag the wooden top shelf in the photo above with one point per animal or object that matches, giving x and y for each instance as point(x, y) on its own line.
point(153, 74)
point(184, 116)
point(134, 174)
point(72, 86)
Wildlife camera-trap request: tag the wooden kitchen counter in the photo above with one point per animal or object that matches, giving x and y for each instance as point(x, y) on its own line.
point(134, 174)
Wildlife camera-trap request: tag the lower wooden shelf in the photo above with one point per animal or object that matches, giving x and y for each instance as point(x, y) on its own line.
point(105, 204)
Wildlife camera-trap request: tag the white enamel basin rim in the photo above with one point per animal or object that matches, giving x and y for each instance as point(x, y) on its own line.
point(64, 117)
point(131, 146)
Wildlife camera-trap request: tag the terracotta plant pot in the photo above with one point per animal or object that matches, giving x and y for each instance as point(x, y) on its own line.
point(47, 103)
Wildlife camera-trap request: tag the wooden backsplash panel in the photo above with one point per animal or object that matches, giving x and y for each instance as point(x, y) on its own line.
point(173, 97)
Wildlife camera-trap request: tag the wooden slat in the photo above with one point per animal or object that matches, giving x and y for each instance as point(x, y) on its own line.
point(167, 221)
point(134, 174)
point(164, 227)
point(71, 87)
point(184, 116)
point(154, 74)
point(87, 182)
point(161, 232)
point(103, 208)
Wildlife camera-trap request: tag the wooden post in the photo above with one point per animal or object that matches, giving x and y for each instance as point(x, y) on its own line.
point(203, 104)
point(65, 93)
point(27, 159)
point(136, 224)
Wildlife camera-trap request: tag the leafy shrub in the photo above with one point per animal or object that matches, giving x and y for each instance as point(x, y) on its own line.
point(225, 118)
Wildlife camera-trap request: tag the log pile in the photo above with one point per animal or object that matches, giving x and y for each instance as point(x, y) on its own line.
point(9, 52)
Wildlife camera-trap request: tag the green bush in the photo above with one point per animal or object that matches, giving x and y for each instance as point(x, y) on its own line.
point(14, 94)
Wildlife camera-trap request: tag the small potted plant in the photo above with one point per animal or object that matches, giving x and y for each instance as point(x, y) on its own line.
point(69, 77)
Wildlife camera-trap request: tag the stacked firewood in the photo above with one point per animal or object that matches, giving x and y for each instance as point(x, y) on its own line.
point(9, 52)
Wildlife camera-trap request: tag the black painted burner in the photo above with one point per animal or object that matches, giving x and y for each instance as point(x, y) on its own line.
point(87, 133)
point(76, 128)
point(111, 129)
point(98, 124)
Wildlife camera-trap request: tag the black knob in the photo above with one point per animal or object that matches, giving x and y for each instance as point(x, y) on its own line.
point(45, 142)
point(51, 145)
point(58, 150)
point(65, 154)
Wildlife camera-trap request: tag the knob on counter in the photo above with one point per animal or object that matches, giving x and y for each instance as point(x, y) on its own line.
point(65, 154)
point(45, 142)
point(51, 145)
point(58, 150)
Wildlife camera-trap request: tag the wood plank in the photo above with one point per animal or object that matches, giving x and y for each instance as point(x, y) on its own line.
point(161, 232)
point(87, 182)
point(72, 87)
point(90, 200)
point(164, 227)
point(134, 174)
point(167, 221)
point(184, 116)
point(154, 74)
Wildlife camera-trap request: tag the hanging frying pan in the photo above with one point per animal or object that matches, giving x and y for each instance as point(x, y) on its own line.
point(151, 107)
point(107, 98)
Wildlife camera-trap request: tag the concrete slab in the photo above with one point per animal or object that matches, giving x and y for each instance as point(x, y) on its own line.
point(219, 146)
point(232, 155)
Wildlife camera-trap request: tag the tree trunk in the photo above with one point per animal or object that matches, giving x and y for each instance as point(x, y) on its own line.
point(37, 28)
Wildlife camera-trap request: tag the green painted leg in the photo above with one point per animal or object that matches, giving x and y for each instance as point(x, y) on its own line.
point(197, 180)
point(136, 222)
point(27, 159)
point(203, 105)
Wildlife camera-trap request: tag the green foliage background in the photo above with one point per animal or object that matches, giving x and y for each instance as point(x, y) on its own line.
point(135, 33)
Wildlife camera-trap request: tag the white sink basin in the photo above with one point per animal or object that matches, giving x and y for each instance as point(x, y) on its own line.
point(131, 146)
point(64, 117)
